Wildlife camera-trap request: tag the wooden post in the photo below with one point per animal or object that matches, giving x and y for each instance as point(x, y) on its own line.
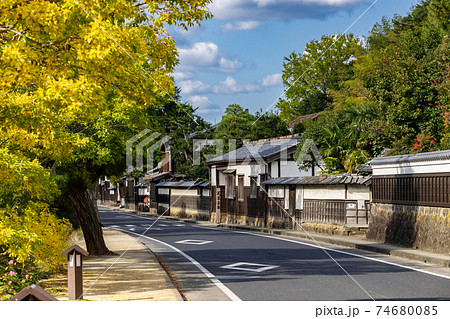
point(75, 271)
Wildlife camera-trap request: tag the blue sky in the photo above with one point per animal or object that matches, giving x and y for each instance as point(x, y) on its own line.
point(237, 57)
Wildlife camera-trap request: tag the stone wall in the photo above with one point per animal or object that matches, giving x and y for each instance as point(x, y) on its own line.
point(420, 227)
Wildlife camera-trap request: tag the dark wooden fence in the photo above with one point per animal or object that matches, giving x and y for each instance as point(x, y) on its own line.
point(327, 212)
point(426, 190)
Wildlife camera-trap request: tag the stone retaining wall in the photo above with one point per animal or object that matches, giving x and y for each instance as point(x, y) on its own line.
point(420, 227)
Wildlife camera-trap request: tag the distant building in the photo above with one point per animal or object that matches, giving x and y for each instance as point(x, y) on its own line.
point(302, 118)
point(236, 177)
point(342, 200)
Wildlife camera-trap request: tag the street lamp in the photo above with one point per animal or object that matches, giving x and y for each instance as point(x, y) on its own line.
point(75, 271)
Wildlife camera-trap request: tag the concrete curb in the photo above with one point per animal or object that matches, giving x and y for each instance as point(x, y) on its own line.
point(345, 241)
point(175, 291)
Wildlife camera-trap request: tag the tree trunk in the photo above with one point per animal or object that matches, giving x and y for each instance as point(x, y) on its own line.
point(90, 223)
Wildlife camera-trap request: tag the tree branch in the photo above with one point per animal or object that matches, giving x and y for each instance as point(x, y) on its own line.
point(52, 44)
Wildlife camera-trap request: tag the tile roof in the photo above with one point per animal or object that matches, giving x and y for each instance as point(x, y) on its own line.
point(320, 180)
point(303, 117)
point(258, 149)
point(411, 158)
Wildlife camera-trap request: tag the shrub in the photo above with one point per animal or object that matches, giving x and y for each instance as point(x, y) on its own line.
point(31, 244)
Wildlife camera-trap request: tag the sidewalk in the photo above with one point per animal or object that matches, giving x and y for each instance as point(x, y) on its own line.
point(345, 241)
point(134, 274)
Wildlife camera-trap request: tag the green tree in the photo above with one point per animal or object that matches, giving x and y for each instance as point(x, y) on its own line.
point(183, 126)
point(403, 78)
point(268, 125)
point(236, 124)
point(439, 13)
point(311, 76)
point(78, 79)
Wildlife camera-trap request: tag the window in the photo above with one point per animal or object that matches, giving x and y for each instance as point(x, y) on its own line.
point(230, 182)
point(241, 188)
point(253, 187)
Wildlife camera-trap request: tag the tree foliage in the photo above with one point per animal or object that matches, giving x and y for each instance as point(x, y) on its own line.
point(179, 122)
point(77, 78)
point(238, 125)
point(396, 97)
point(311, 76)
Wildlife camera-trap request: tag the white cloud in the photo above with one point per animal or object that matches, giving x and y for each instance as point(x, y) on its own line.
point(201, 54)
point(230, 86)
point(278, 9)
point(190, 87)
point(180, 76)
point(272, 80)
point(206, 55)
point(240, 26)
point(229, 66)
point(227, 86)
point(203, 104)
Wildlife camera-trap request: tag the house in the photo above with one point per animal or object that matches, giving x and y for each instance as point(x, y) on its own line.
point(185, 199)
point(107, 193)
point(235, 178)
point(411, 200)
point(342, 200)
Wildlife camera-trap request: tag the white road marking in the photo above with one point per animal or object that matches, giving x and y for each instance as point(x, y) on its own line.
point(211, 277)
point(333, 250)
point(194, 242)
point(325, 248)
point(260, 267)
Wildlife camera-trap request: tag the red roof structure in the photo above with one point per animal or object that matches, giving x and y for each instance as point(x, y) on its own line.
point(302, 118)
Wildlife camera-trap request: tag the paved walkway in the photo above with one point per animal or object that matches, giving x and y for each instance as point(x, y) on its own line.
point(134, 274)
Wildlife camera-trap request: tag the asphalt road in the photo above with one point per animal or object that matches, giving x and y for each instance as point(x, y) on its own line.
point(219, 264)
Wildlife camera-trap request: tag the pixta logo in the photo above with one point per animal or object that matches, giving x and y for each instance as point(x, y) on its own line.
point(135, 146)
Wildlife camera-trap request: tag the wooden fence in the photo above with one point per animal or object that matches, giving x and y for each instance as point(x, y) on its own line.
point(426, 190)
point(326, 212)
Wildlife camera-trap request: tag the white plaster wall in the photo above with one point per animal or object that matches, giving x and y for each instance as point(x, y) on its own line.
point(247, 170)
point(163, 191)
point(412, 168)
point(276, 191)
point(356, 192)
point(274, 169)
point(289, 169)
point(143, 191)
point(205, 192)
point(221, 179)
point(286, 197)
point(299, 197)
point(324, 192)
point(213, 175)
point(184, 192)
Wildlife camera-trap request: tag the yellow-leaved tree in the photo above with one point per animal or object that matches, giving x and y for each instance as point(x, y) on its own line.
point(77, 78)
